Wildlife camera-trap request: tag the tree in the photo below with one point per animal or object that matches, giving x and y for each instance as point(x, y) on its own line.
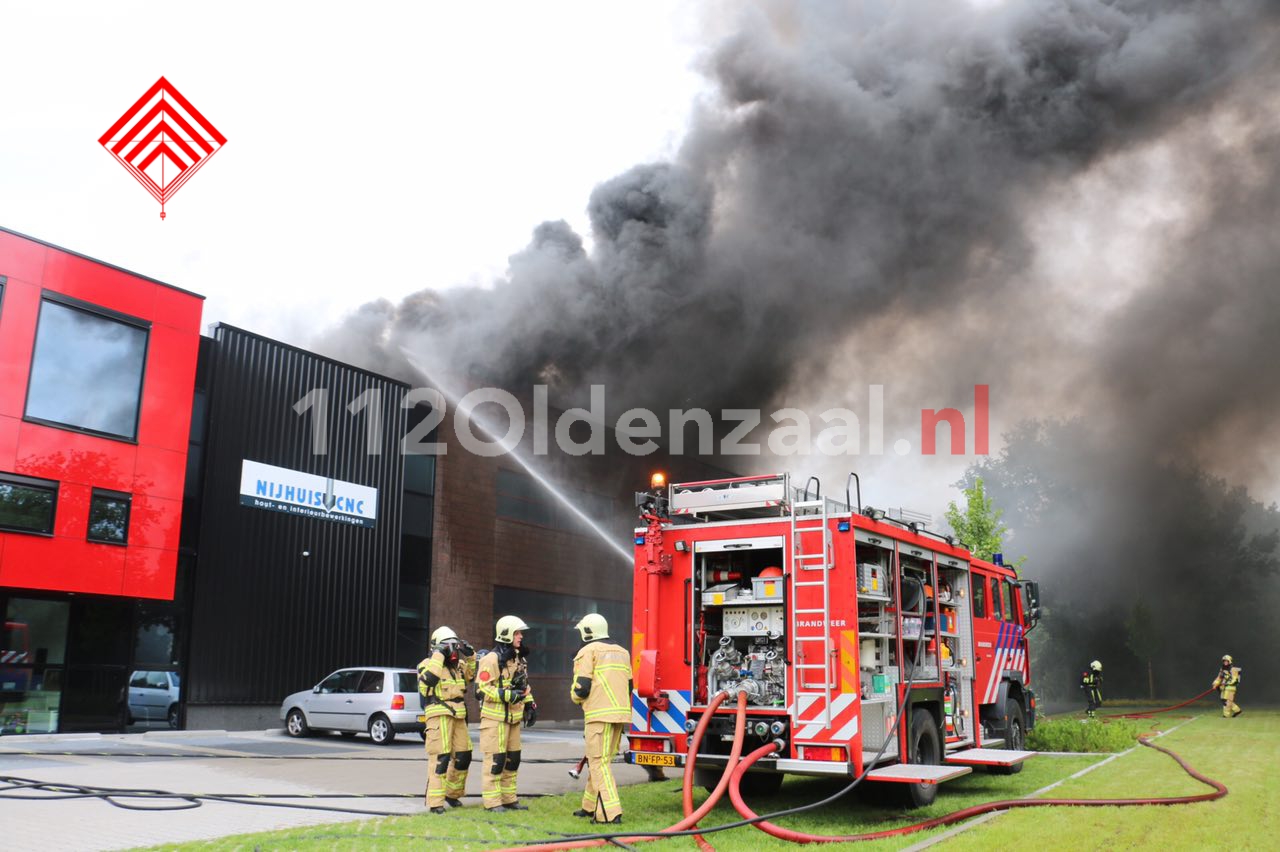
point(1141, 629)
point(978, 527)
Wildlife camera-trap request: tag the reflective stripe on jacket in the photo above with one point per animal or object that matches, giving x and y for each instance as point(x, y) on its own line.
point(602, 682)
point(445, 696)
point(492, 680)
point(1227, 678)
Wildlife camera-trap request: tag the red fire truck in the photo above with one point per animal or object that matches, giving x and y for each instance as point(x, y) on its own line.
point(823, 613)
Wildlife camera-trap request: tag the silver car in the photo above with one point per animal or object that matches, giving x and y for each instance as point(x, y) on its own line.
point(380, 701)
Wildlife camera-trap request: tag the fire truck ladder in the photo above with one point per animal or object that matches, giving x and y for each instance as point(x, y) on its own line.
point(811, 569)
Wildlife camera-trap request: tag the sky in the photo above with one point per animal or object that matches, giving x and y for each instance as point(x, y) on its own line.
point(417, 145)
point(411, 145)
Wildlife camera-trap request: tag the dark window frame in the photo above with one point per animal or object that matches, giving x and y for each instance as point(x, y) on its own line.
point(993, 591)
point(105, 494)
point(50, 485)
point(1010, 598)
point(102, 313)
point(979, 588)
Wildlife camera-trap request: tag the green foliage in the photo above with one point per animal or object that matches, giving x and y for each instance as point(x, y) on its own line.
point(978, 527)
point(1083, 735)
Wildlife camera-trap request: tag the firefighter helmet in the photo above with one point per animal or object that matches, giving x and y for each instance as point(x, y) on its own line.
point(1096, 666)
point(506, 628)
point(442, 634)
point(1226, 658)
point(593, 626)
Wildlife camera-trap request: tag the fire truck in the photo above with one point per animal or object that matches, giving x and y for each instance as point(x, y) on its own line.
point(861, 642)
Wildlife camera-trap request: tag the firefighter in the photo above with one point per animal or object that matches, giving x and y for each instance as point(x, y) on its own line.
point(1226, 682)
point(602, 685)
point(1091, 683)
point(442, 683)
point(502, 685)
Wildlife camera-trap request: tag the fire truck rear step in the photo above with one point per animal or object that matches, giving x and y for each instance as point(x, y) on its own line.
point(988, 757)
point(917, 773)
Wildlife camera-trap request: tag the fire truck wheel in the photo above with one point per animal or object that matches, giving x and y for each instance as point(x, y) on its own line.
point(926, 749)
point(1015, 738)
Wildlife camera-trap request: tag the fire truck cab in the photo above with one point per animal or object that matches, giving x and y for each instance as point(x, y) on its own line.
point(823, 613)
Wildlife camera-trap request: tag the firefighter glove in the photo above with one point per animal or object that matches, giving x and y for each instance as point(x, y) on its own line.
point(530, 714)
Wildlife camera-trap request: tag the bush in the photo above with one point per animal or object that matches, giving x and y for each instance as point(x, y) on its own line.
point(1083, 735)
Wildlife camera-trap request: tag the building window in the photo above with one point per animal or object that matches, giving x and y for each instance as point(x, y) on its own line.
point(26, 504)
point(551, 636)
point(109, 517)
point(86, 370)
point(521, 498)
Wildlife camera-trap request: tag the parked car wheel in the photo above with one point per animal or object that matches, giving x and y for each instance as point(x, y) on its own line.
point(295, 724)
point(380, 730)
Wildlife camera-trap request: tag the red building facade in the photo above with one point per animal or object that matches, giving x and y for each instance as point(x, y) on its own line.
point(97, 369)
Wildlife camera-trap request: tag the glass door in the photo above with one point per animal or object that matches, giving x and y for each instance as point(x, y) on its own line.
point(32, 662)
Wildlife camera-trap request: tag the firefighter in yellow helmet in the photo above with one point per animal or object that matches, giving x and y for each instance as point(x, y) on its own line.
point(502, 685)
point(1226, 682)
point(602, 685)
point(1091, 683)
point(442, 682)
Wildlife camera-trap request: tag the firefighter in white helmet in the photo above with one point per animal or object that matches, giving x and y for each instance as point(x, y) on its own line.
point(1226, 682)
point(602, 685)
point(442, 682)
point(1091, 683)
point(502, 685)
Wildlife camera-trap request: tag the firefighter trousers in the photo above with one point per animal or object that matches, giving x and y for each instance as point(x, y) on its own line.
point(500, 743)
point(1095, 699)
point(448, 757)
point(601, 796)
point(1229, 706)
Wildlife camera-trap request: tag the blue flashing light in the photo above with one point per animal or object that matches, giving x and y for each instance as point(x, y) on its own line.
point(998, 558)
point(843, 526)
point(639, 539)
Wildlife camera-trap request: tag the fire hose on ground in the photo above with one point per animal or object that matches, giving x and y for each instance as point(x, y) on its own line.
point(735, 795)
point(736, 769)
point(687, 825)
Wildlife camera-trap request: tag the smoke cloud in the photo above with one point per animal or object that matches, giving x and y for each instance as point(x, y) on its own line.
point(1074, 201)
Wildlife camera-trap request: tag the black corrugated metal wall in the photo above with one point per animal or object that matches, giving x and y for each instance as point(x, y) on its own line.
point(266, 620)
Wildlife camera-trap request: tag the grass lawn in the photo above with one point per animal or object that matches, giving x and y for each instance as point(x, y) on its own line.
point(1240, 752)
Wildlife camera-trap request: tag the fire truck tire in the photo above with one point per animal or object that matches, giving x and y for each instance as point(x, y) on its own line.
point(925, 747)
point(1015, 737)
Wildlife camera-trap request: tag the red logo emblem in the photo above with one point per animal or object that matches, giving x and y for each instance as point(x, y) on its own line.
point(162, 140)
point(484, 676)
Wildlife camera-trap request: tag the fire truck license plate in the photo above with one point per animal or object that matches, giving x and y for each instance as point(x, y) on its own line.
point(643, 759)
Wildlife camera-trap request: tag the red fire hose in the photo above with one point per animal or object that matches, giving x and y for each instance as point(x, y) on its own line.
point(735, 795)
point(691, 818)
point(1148, 713)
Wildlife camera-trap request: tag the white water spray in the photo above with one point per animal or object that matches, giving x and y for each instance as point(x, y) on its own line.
point(513, 450)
